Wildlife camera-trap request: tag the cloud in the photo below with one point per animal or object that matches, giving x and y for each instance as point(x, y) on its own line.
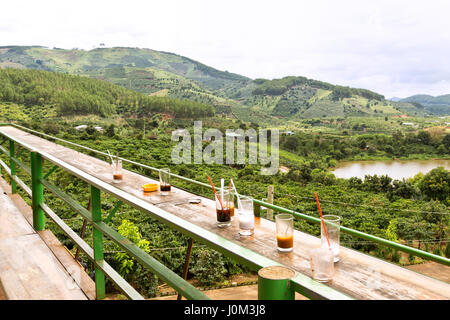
point(397, 48)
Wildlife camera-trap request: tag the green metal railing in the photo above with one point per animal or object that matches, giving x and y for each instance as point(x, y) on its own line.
point(258, 204)
point(302, 284)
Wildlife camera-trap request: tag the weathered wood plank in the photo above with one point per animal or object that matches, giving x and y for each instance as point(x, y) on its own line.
point(357, 274)
point(82, 279)
point(29, 270)
point(74, 268)
point(12, 221)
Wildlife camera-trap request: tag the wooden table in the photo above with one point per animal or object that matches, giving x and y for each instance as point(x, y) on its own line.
point(358, 275)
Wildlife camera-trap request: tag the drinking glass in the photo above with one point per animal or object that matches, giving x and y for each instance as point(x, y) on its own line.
point(322, 264)
point(164, 181)
point(285, 232)
point(223, 209)
point(332, 224)
point(246, 217)
point(117, 171)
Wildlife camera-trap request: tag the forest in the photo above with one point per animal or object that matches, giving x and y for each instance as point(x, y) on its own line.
point(78, 95)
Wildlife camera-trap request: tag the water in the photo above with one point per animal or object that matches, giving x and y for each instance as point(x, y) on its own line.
point(396, 169)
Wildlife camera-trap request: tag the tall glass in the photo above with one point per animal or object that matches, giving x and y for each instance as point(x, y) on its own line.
point(285, 232)
point(164, 181)
point(322, 264)
point(117, 171)
point(332, 224)
point(223, 209)
point(246, 217)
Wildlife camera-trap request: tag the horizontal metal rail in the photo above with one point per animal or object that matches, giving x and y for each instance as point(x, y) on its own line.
point(19, 181)
point(355, 233)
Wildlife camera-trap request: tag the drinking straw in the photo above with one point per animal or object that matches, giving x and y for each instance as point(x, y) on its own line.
point(215, 191)
point(222, 183)
point(110, 156)
point(323, 222)
point(237, 194)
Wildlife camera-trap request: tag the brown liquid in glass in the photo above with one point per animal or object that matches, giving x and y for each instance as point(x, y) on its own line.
point(223, 215)
point(165, 187)
point(285, 242)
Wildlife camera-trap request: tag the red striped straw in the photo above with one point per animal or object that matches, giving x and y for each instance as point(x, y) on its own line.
point(323, 222)
point(215, 191)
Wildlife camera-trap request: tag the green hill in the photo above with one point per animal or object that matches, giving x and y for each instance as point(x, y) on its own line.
point(436, 105)
point(300, 97)
point(160, 74)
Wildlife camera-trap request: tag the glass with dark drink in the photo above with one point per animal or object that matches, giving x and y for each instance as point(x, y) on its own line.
point(164, 181)
point(223, 209)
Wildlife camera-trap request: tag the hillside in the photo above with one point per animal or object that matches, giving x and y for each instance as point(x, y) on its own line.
point(77, 95)
point(300, 97)
point(437, 105)
point(166, 74)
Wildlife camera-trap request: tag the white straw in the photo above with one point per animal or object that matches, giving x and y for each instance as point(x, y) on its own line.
point(222, 184)
point(110, 156)
point(237, 194)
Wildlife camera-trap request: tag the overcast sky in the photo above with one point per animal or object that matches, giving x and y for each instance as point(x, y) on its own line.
point(397, 48)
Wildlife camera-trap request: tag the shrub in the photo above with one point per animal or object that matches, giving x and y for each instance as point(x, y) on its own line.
point(209, 267)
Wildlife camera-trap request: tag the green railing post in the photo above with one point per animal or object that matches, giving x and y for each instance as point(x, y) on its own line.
point(12, 165)
point(37, 191)
point(98, 243)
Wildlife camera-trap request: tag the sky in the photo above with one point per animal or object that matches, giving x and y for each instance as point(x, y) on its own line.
point(396, 48)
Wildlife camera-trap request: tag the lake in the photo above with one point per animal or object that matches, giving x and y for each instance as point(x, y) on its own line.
point(396, 169)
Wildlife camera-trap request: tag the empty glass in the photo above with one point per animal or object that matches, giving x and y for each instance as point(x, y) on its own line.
point(322, 264)
point(285, 231)
point(164, 181)
point(246, 217)
point(332, 224)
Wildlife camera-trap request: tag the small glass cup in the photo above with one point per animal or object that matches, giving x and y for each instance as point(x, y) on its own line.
point(223, 209)
point(322, 264)
point(332, 224)
point(285, 232)
point(117, 171)
point(164, 181)
point(246, 217)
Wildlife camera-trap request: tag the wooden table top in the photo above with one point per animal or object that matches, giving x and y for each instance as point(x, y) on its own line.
point(358, 275)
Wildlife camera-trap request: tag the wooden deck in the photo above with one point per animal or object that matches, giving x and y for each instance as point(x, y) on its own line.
point(357, 275)
point(28, 268)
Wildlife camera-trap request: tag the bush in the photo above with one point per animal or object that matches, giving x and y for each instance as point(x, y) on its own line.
point(436, 184)
point(209, 267)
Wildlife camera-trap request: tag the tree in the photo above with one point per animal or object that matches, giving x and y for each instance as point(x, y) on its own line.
point(436, 184)
point(442, 149)
point(424, 137)
point(446, 141)
point(110, 130)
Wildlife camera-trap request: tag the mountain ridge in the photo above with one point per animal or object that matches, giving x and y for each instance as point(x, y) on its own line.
point(164, 73)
